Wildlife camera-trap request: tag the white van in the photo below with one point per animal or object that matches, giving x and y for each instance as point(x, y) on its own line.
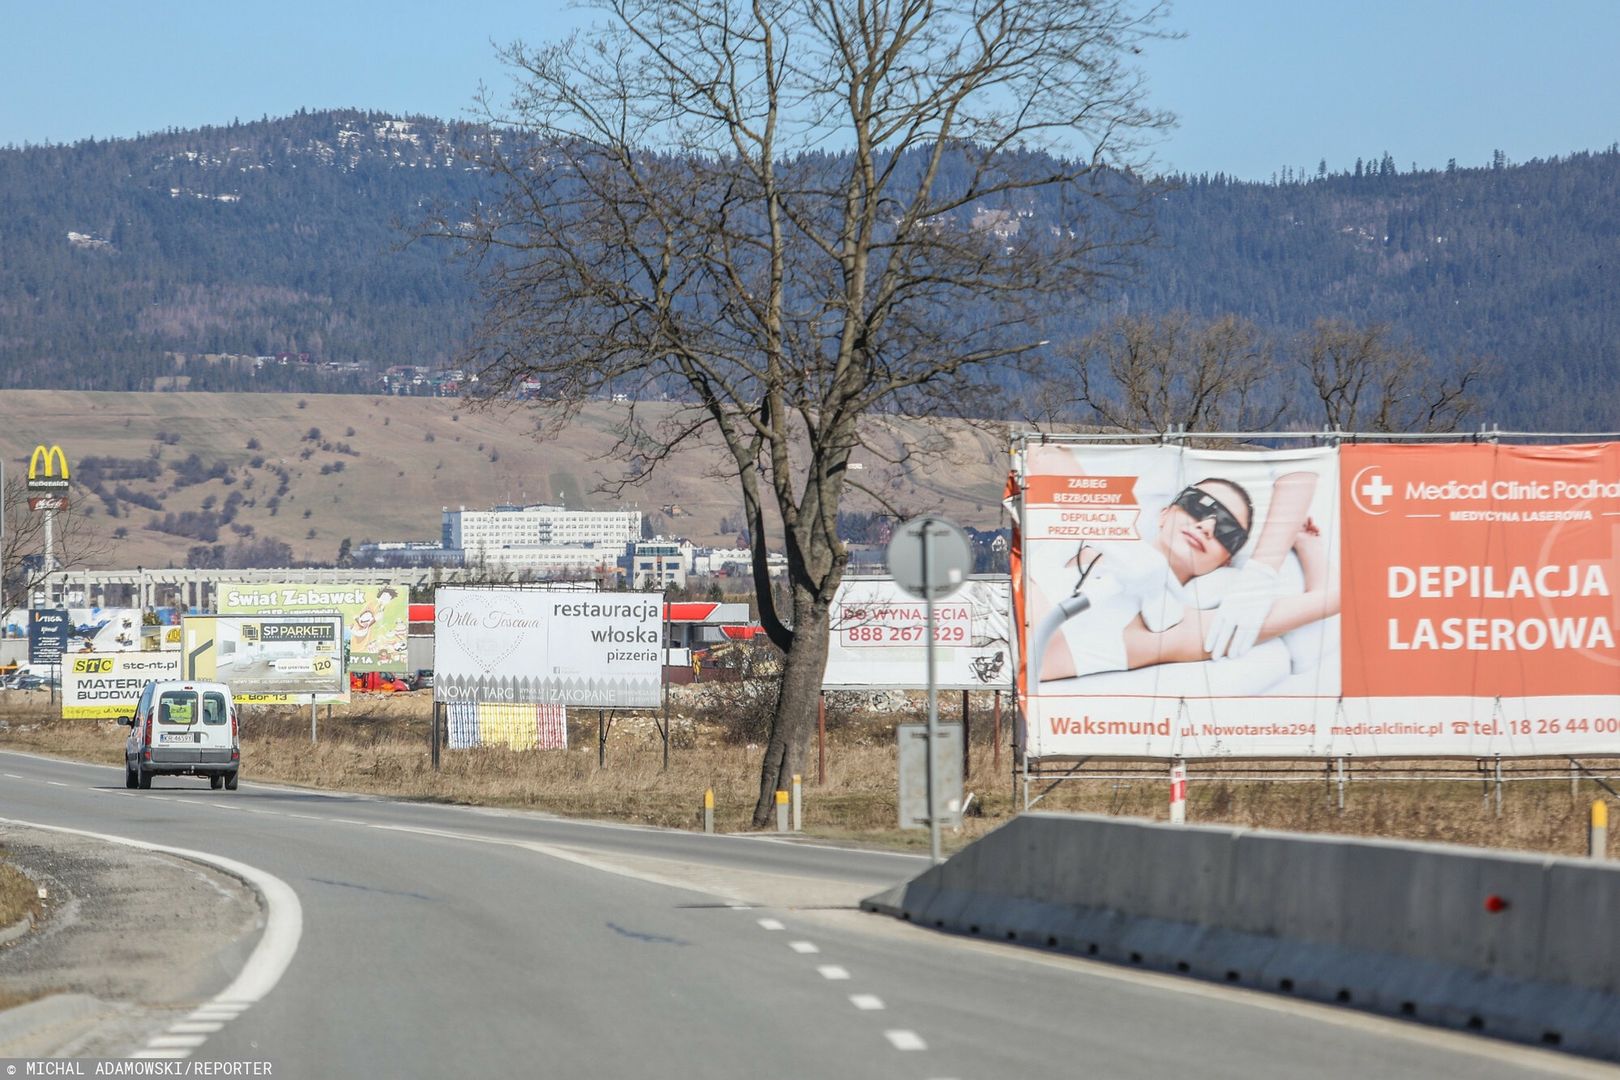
point(183, 729)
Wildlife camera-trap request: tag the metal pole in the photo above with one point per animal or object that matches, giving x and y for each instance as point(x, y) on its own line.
point(601, 740)
point(1499, 785)
point(967, 738)
point(995, 739)
point(933, 695)
point(433, 735)
point(312, 719)
point(1340, 762)
point(663, 678)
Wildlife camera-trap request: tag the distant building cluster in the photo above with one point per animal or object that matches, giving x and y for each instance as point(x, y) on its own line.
point(416, 380)
point(543, 541)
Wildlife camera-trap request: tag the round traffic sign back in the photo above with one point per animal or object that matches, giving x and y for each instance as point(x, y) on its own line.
point(930, 557)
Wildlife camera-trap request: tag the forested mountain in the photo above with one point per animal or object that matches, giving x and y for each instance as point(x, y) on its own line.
point(276, 255)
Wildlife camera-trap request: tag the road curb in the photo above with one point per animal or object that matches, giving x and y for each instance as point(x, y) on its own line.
point(11, 933)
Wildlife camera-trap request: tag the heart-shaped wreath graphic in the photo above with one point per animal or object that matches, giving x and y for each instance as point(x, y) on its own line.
point(474, 624)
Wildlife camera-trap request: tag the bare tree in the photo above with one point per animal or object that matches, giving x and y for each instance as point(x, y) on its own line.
point(1366, 380)
point(788, 215)
point(1142, 373)
point(74, 543)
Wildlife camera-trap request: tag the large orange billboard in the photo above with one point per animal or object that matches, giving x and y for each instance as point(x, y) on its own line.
point(1370, 600)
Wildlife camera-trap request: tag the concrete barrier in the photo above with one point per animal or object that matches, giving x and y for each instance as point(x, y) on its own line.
point(1518, 946)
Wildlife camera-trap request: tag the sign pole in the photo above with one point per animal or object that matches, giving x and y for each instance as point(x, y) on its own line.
point(312, 719)
point(926, 540)
point(663, 676)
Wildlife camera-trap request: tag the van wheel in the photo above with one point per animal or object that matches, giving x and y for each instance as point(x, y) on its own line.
point(143, 779)
point(230, 780)
point(130, 779)
point(216, 781)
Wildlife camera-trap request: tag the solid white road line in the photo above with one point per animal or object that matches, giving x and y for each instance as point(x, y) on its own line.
point(283, 926)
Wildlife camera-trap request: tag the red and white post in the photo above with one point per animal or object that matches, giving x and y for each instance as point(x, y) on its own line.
point(1178, 792)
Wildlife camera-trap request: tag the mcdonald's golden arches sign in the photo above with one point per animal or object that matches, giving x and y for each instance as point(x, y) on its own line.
point(47, 469)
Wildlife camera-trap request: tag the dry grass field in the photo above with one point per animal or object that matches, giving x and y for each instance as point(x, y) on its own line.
point(19, 896)
point(363, 467)
point(379, 744)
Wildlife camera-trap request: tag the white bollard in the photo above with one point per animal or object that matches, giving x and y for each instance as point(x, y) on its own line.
point(708, 810)
point(1597, 841)
point(781, 811)
point(1178, 793)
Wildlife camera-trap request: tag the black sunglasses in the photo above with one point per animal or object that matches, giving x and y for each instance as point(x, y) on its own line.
point(1201, 505)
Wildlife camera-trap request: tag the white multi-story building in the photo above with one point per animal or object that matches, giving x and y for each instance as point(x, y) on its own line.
point(715, 561)
point(540, 525)
point(546, 561)
point(656, 563)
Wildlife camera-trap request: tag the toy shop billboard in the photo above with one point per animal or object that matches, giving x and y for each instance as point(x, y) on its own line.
point(1373, 600)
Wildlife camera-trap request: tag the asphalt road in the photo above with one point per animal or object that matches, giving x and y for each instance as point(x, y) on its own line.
point(412, 940)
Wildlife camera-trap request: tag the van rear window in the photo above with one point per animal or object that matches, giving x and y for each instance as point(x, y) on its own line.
point(177, 707)
point(213, 708)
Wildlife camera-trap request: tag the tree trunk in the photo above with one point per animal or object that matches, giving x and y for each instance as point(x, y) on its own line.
point(795, 721)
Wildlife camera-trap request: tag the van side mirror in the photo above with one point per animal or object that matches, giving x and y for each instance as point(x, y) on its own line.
point(126, 721)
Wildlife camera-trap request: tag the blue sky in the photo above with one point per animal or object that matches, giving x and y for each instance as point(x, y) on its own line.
point(1257, 84)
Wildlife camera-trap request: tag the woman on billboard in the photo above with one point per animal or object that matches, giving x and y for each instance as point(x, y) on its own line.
point(1136, 604)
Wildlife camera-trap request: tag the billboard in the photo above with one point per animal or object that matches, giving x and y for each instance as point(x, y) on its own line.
point(107, 687)
point(259, 655)
point(376, 618)
point(1375, 600)
point(47, 635)
point(877, 637)
point(103, 630)
point(548, 647)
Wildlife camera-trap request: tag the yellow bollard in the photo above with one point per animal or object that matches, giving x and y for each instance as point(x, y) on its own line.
point(781, 811)
point(1598, 835)
point(708, 810)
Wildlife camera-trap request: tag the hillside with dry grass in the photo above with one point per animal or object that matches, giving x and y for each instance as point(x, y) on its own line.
point(158, 473)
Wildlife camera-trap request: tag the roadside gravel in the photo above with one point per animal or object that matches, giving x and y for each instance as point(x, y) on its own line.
point(148, 936)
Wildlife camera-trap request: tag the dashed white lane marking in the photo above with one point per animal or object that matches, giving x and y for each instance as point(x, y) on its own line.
point(866, 1002)
point(734, 906)
point(805, 947)
point(189, 1027)
point(56, 783)
point(175, 1042)
point(12, 776)
point(164, 1055)
point(772, 924)
point(902, 1039)
point(833, 971)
